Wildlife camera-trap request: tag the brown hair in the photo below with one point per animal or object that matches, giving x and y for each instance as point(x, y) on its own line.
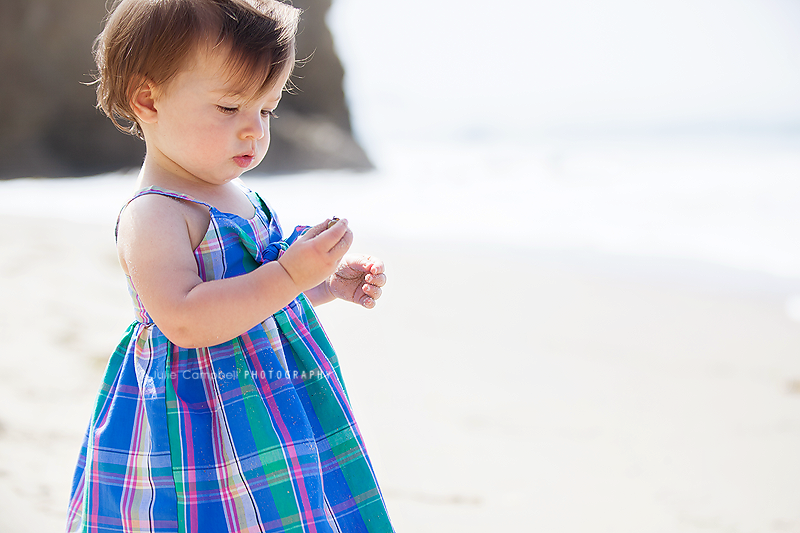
point(152, 40)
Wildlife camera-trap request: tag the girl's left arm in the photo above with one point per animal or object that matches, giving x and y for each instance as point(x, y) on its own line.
point(358, 279)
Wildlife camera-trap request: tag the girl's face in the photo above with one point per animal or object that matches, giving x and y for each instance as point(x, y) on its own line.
point(202, 130)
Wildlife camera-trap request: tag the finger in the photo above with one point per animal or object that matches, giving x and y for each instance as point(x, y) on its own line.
point(343, 244)
point(357, 262)
point(367, 302)
point(366, 263)
point(330, 238)
point(313, 231)
point(378, 281)
point(372, 291)
point(377, 266)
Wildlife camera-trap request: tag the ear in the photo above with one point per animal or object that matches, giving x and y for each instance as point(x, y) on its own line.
point(143, 103)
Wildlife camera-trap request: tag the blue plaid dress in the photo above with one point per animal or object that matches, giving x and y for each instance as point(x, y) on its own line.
point(253, 435)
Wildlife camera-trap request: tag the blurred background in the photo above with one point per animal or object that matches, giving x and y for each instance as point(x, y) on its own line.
point(53, 130)
point(663, 128)
point(590, 214)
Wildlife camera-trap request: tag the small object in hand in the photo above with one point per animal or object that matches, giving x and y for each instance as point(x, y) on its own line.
point(332, 222)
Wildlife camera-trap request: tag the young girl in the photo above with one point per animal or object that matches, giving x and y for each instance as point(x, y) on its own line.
point(223, 408)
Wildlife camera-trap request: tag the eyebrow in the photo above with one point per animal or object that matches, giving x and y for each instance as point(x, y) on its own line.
point(224, 93)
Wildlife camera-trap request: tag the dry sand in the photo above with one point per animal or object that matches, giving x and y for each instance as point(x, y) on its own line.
point(497, 391)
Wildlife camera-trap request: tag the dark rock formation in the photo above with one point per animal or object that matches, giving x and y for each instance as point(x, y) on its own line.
point(313, 129)
point(49, 126)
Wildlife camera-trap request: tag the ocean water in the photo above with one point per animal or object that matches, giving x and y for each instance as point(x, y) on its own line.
point(663, 129)
point(668, 130)
point(667, 134)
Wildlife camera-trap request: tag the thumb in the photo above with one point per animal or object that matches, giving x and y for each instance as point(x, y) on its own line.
point(336, 236)
point(313, 231)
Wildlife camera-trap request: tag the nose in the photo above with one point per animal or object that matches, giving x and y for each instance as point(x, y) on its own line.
point(254, 127)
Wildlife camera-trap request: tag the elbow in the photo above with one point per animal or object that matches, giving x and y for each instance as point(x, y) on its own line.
point(193, 336)
point(186, 343)
point(191, 342)
point(181, 338)
point(184, 336)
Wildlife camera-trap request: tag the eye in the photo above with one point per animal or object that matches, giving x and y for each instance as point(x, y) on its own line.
point(268, 113)
point(227, 110)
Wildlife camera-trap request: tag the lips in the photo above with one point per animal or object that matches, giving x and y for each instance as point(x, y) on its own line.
point(244, 161)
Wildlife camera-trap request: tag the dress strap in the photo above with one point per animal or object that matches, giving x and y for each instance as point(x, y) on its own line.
point(166, 192)
point(162, 192)
point(259, 203)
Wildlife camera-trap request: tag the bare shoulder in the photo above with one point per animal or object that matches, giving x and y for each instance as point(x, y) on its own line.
point(154, 224)
point(150, 215)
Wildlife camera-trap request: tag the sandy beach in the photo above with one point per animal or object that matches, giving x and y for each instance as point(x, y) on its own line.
point(497, 389)
point(592, 319)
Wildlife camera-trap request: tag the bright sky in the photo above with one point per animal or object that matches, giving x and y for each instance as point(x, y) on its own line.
point(539, 64)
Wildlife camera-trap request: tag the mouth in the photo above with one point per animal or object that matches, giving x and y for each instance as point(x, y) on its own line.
point(244, 160)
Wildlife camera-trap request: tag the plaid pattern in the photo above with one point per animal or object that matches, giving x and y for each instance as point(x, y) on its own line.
point(253, 435)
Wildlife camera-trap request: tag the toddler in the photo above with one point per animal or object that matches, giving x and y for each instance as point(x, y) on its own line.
point(223, 408)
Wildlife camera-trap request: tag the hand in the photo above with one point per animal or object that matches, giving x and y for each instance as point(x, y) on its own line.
point(358, 279)
point(313, 257)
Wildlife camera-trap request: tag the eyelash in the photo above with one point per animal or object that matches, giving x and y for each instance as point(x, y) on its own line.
point(232, 110)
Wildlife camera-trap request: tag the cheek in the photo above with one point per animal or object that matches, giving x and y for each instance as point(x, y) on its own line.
point(263, 144)
point(204, 139)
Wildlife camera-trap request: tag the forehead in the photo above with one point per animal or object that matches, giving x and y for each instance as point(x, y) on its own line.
point(213, 69)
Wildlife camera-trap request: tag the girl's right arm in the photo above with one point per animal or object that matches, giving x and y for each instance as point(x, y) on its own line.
point(156, 250)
